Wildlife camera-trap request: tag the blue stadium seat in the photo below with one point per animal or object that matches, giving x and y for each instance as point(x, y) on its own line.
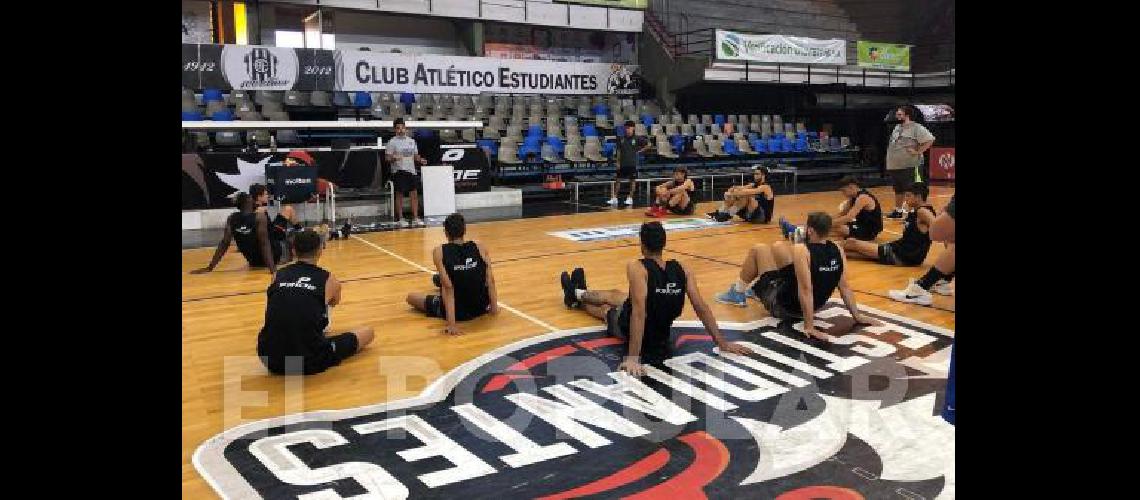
point(608, 149)
point(212, 95)
point(647, 120)
point(534, 131)
point(678, 143)
point(775, 144)
point(801, 145)
point(191, 116)
point(407, 98)
point(730, 148)
point(760, 145)
point(619, 130)
point(719, 120)
point(362, 100)
point(589, 130)
point(224, 115)
point(601, 109)
point(489, 145)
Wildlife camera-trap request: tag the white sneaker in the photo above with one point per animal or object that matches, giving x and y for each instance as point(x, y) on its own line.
point(628, 200)
point(402, 223)
point(942, 287)
point(913, 294)
point(419, 223)
point(613, 201)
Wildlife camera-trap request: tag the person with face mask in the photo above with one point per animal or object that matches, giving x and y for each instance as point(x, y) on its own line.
point(674, 195)
point(909, 140)
point(793, 280)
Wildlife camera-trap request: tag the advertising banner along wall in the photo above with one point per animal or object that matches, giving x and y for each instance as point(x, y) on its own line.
point(253, 67)
point(734, 46)
point(883, 55)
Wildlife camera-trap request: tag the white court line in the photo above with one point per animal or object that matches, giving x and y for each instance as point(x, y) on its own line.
point(503, 305)
point(892, 232)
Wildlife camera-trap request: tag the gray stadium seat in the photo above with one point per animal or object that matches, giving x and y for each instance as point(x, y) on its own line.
point(320, 98)
point(296, 98)
point(287, 137)
point(228, 138)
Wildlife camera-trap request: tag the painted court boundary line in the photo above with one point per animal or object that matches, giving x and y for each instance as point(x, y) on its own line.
point(503, 305)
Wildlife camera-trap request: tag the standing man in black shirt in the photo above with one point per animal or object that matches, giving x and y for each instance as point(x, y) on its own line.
point(466, 283)
point(628, 147)
point(644, 316)
point(293, 341)
point(792, 281)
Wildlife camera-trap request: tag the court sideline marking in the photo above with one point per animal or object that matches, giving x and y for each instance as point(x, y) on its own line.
point(503, 305)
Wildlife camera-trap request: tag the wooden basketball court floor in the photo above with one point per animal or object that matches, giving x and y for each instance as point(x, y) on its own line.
point(222, 311)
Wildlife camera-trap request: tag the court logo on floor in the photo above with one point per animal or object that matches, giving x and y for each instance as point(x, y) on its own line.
point(552, 417)
point(631, 230)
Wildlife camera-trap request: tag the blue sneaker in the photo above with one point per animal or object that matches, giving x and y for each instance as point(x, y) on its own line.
point(786, 228)
point(732, 298)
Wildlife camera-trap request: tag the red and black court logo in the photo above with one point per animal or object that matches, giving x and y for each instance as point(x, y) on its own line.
point(552, 417)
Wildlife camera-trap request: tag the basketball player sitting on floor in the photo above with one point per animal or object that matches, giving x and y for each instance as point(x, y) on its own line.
point(297, 312)
point(753, 202)
point(937, 279)
point(912, 247)
point(792, 281)
point(674, 195)
point(466, 283)
point(250, 231)
point(860, 217)
point(644, 316)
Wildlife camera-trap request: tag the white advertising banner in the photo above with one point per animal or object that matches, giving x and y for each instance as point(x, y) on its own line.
point(734, 46)
point(379, 72)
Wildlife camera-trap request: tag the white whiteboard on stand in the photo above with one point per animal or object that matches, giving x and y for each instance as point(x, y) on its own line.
point(439, 190)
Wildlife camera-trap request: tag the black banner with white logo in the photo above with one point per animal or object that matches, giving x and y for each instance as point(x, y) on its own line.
point(209, 179)
point(471, 169)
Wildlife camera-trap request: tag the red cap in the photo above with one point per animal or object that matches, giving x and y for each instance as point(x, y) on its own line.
point(302, 156)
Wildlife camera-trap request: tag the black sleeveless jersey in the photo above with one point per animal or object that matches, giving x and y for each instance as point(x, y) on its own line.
point(243, 228)
point(468, 273)
point(664, 300)
point(296, 314)
point(870, 220)
point(912, 247)
point(767, 204)
point(826, 269)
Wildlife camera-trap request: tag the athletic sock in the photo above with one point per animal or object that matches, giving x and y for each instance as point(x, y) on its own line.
point(578, 294)
point(930, 278)
point(739, 286)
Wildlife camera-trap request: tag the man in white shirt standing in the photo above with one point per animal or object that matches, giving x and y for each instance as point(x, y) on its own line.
point(403, 155)
point(909, 140)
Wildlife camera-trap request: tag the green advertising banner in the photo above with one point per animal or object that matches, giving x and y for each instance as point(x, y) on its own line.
point(621, 4)
point(884, 55)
